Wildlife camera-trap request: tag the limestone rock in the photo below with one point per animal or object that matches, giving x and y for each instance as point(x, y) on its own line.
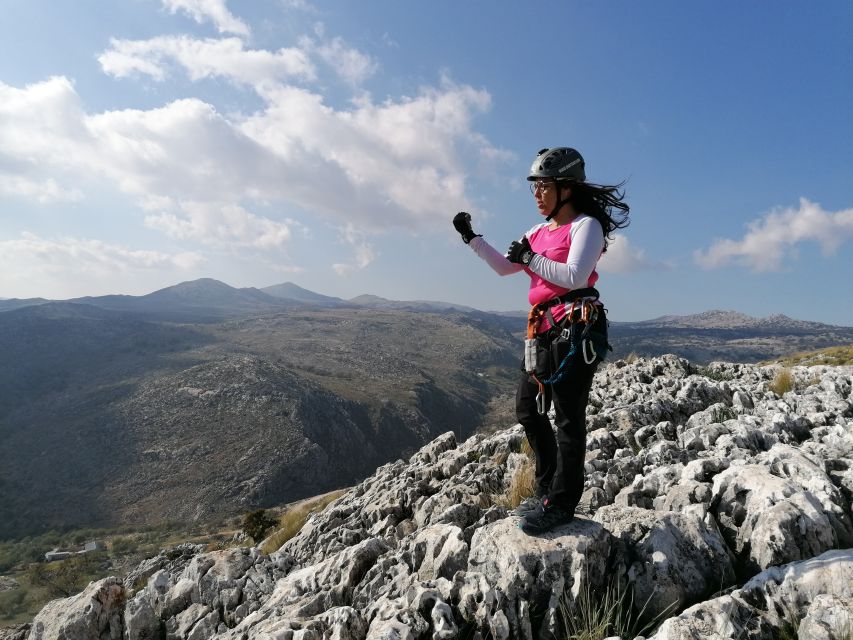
point(95, 613)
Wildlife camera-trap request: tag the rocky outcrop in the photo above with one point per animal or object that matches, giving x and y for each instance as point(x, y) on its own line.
point(722, 505)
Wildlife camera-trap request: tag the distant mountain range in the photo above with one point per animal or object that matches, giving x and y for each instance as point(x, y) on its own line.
point(202, 400)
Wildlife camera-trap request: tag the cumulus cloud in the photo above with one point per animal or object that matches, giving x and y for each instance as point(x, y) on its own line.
point(771, 241)
point(622, 257)
point(369, 166)
point(214, 11)
point(204, 58)
point(221, 225)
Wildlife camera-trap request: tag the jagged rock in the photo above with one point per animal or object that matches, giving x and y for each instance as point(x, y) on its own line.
point(828, 617)
point(95, 613)
point(513, 573)
point(309, 592)
point(769, 602)
point(768, 520)
point(16, 632)
point(672, 559)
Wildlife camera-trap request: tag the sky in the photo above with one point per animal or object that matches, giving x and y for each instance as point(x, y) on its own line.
point(145, 143)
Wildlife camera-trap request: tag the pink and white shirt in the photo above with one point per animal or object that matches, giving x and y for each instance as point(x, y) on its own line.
point(566, 259)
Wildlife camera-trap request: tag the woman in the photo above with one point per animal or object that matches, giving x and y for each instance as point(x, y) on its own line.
point(567, 320)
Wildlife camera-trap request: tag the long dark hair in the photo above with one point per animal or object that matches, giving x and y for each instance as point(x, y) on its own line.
point(605, 203)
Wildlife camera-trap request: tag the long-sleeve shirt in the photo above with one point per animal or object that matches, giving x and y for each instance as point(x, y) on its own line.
point(565, 260)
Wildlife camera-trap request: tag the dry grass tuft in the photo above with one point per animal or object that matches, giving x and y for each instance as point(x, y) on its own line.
point(523, 481)
point(782, 383)
point(292, 520)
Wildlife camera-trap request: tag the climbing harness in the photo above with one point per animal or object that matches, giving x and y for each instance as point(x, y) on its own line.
point(584, 310)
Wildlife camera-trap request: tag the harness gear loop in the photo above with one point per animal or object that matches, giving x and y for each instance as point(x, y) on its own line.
point(534, 321)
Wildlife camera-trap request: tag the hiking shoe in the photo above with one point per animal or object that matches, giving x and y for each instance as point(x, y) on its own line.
point(529, 505)
point(548, 518)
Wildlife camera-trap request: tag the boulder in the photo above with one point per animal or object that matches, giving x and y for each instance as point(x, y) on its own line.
point(95, 613)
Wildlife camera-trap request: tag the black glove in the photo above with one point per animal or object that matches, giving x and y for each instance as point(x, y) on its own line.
point(520, 252)
point(462, 222)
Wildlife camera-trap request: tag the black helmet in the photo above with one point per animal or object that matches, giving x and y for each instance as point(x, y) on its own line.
point(558, 163)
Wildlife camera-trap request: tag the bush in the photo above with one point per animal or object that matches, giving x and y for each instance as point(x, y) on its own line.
point(257, 523)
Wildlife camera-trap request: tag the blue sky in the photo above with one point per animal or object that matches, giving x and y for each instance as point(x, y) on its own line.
point(148, 142)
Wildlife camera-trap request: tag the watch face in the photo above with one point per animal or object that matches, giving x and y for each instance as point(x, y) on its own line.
point(526, 256)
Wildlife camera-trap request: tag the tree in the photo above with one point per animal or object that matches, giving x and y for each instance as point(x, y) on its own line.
point(257, 523)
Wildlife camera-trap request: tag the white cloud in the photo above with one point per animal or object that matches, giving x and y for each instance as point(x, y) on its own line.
point(42, 191)
point(42, 123)
point(771, 240)
point(224, 57)
point(621, 257)
point(351, 65)
point(214, 11)
point(221, 225)
point(31, 265)
point(365, 254)
point(78, 257)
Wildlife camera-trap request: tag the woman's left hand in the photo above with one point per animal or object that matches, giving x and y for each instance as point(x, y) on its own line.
point(520, 252)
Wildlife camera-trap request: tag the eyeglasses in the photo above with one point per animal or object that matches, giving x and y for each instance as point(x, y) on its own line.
point(540, 185)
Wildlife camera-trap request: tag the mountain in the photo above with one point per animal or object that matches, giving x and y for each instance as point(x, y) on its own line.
point(718, 319)
point(290, 291)
point(16, 303)
point(725, 336)
point(375, 302)
point(203, 300)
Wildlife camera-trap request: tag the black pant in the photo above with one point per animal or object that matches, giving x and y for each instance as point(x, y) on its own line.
point(560, 460)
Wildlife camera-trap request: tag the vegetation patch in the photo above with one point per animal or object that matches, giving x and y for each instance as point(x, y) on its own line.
point(714, 374)
point(597, 614)
point(833, 356)
point(292, 520)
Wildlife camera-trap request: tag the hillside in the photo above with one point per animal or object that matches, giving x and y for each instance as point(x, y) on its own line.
point(117, 420)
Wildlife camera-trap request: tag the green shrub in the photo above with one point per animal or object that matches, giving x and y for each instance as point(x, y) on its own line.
point(721, 414)
point(12, 604)
point(64, 578)
point(257, 523)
